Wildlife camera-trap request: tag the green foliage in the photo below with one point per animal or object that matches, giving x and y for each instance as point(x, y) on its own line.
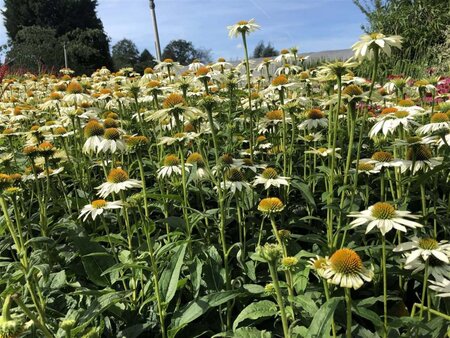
point(74, 22)
point(36, 47)
point(421, 23)
point(125, 54)
point(261, 50)
point(184, 52)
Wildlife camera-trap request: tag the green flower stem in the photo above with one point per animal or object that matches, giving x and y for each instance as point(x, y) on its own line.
point(222, 217)
point(348, 300)
point(185, 198)
point(249, 88)
point(423, 200)
point(424, 289)
point(29, 314)
point(276, 285)
point(330, 198)
point(155, 276)
point(429, 310)
point(277, 236)
point(327, 297)
point(130, 242)
point(284, 135)
point(144, 188)
point(383, 263)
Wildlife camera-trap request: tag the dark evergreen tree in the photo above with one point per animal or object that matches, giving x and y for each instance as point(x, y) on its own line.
point(64, 17)
point(125, 54)
point(146, 59)
point(259, 49)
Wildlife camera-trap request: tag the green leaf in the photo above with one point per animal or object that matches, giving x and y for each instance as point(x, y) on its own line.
point(251, 332)
point(306, 303)
point(96, 308)
point(368, 314)
point(321, 323)
point(94, 265)
point(263, 308)
point(305, 191)
point(196, 308)
point(169, 277)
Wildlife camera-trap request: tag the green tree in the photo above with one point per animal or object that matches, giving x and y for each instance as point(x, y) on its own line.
point(73, 21)
point(125, 54)
point(37, 48)
point(87, 50)
point(146, 59)
point(262, 51)
point(184, 52)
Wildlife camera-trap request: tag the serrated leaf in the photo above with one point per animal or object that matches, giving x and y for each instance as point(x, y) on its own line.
point(251, 332)
point(263, 308)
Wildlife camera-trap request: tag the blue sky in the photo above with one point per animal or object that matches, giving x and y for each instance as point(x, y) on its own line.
point(311, 25)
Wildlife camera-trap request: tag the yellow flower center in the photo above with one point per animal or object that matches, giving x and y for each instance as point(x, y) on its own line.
point(401, 113)
point(202, 71)
point(137, 141)
point(171, 160)
point(289, 261)
point(420, 152)
point(388, 110)
point(234, 175)
point(93, 128)
point(110, 123)
point(242, 22)
point(406, 103)
point(117, 175)
point(196, 158)
point(315, 114)
point(280, 80)
point(168, 61)
point(270, 205)
point(269, 173)
point(382, 156)
point(60, 131)
point(111, 134)
point(148, 70)
point(383, 210)
point(153, 84)
point(365, 166)
point(98, 204)
point(172, 100)
point(5, 181)
point(352, 90)
point(74, 88)
point(346, 261)
point(274, 115)
point(439, 117)
point(428, 244)
point(227, 159)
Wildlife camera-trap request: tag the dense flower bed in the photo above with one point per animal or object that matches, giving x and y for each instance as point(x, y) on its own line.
point(257, 200)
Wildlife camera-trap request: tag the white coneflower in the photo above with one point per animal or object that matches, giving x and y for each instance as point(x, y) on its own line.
point(270, 178)
point(367, 168)
point(196, 159)
point(271, 205)
point(242, 27)
point(424, 247)
point(439, 122)
point(112, 142)
point(117, 181)
point(384, 216)
point(234, 181)
point(324, 152)
point(319, 265)
point(442, 287)
point(315, 118)
point(97, 207)
point(383, 159)
point(178, 137)
point(421, 157)
point(93, 131)
point(388, 123)
point(345, 268)
point(368, 42)
point(171, 166)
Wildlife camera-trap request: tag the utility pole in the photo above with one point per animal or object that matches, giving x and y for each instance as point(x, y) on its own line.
point(65, 56)
point(155, 29)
